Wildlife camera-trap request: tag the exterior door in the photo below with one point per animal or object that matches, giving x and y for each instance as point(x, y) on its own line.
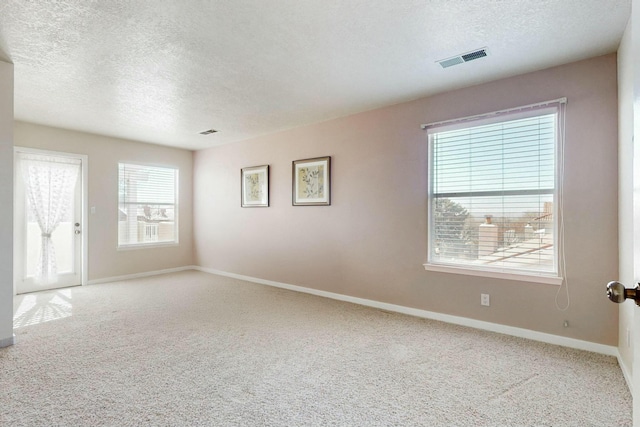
point(48, 220)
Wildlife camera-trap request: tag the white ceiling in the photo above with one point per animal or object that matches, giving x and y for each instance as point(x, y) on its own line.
point(162, 71)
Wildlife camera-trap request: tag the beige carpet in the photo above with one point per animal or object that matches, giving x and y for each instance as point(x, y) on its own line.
point(193, 349)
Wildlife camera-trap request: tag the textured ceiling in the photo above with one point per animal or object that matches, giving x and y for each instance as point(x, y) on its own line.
point(162, 71)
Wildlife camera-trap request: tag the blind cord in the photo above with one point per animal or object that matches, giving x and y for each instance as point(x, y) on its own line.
point(563, 260)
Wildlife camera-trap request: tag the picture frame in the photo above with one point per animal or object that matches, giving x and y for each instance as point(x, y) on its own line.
point(254, 184)
point(311, 184)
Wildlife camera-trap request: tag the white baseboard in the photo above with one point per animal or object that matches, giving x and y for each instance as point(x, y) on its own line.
point(463, 321)
point(139, 275)
point(626, 372)
point(6, 342)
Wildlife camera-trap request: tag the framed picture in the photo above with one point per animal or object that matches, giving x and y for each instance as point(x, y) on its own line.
point(255, 187)
point(312, 182)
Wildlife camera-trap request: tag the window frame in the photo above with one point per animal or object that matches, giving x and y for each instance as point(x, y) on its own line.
point(176, 205)
point(554, 277)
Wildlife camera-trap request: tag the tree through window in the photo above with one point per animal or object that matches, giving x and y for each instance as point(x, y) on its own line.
point(493, 195)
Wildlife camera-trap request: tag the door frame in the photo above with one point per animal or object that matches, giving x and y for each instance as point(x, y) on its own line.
point(84, 249)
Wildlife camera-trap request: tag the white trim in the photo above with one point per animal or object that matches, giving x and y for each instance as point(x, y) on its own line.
point(85, 219)
point(6, 342)
point(135, 246)
point(626, 372)
point(84, 169)
point(463, 321)
point(139, 275)
point(547, 280)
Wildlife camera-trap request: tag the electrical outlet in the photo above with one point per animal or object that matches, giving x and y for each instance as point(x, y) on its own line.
point(484, 300)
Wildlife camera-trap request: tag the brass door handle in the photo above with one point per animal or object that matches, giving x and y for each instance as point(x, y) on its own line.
point(618, 293)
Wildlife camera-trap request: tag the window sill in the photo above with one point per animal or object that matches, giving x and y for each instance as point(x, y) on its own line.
point(548, 280)
point(147, 246)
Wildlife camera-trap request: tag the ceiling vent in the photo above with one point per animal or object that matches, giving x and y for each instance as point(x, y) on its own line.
point(465, 57)
point(208, 132)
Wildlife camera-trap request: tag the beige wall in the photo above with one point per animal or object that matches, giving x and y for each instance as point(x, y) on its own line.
point(6, 203)
point(104, 154)
point(625, 189)
point(371, 242)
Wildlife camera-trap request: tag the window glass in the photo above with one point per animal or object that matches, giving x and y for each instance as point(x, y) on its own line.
point(493, 195)
point(147, 205)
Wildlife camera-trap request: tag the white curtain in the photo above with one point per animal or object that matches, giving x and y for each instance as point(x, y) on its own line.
point(49, 186)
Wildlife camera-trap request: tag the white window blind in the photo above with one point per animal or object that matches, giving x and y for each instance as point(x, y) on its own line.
point(493, 194)
point(147, 205)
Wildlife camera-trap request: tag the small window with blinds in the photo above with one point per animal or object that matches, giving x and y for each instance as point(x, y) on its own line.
point(493, 193)
point(147, 205)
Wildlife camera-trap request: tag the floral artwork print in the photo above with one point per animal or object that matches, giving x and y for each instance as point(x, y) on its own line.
point(311, 182)
point(254, 185)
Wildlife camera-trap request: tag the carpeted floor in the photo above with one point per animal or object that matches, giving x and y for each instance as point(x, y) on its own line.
point(193, 349)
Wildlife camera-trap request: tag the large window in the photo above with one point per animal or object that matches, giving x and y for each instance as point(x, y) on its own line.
point(493, 192)
point(147, 205)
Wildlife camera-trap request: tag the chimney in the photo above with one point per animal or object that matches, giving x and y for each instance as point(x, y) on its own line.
point(487, 237)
